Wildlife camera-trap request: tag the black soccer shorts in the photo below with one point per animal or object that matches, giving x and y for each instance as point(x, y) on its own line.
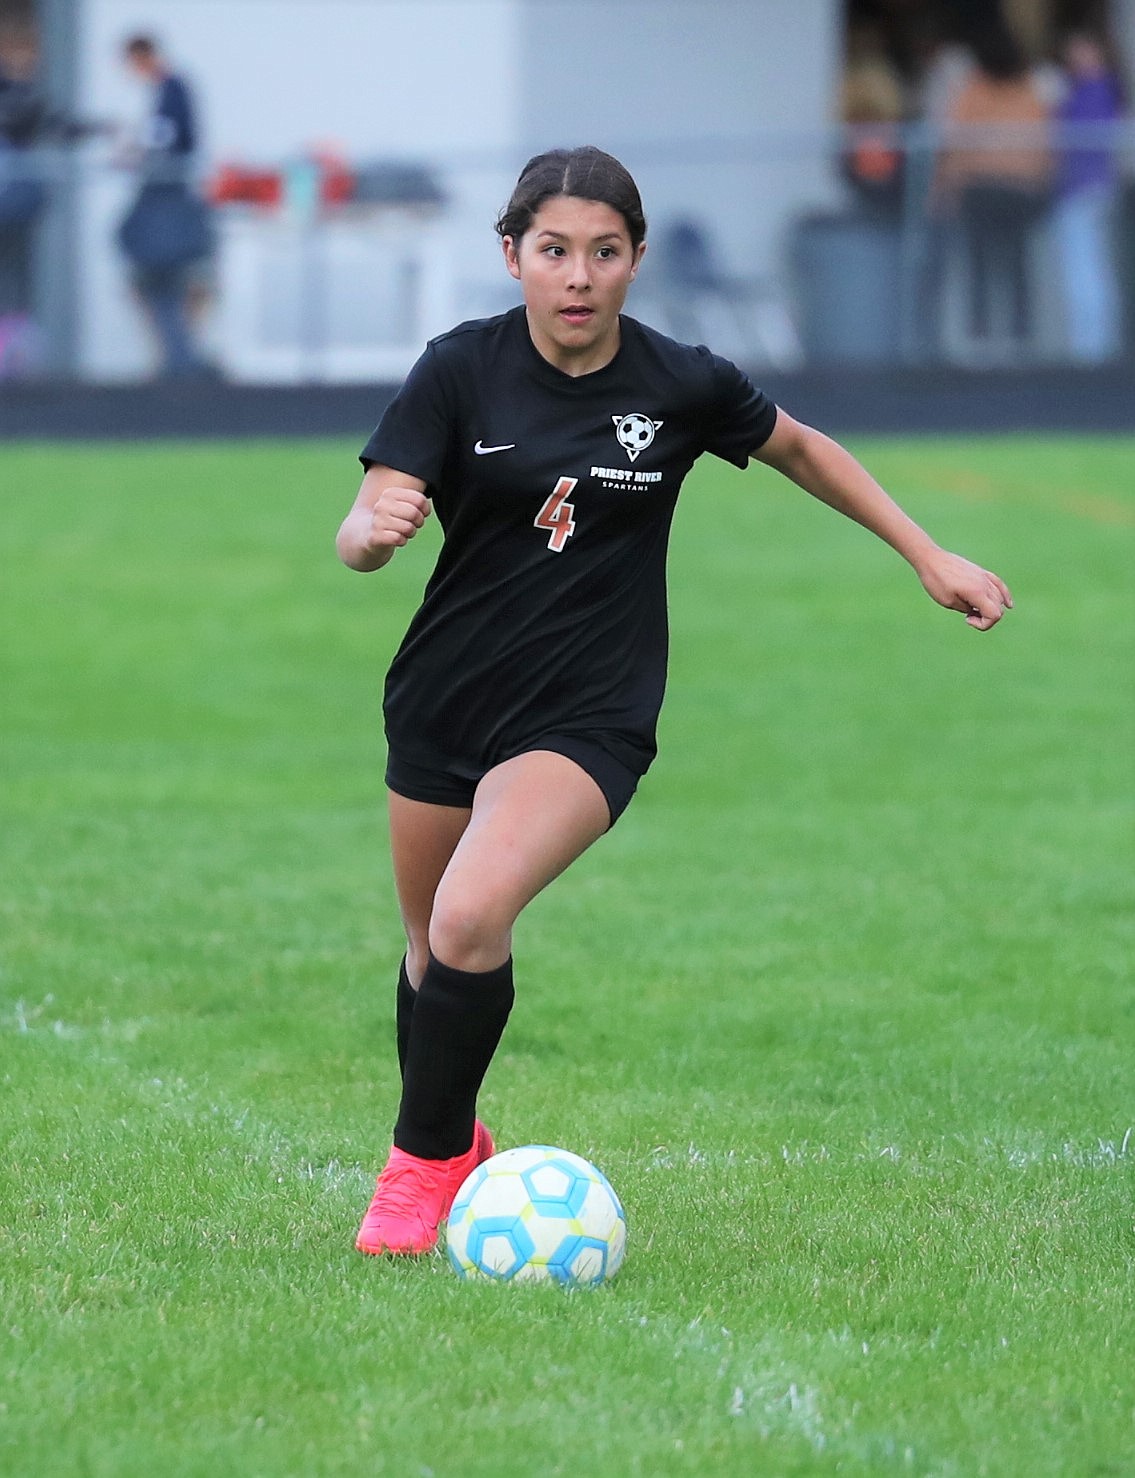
point(453, 782)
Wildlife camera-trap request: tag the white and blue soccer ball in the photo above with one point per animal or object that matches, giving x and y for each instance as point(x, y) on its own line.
point(537, 1215)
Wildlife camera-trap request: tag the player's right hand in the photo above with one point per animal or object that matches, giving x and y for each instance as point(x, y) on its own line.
point(397, 515)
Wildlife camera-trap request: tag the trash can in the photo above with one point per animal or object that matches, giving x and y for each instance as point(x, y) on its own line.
point(848, 289)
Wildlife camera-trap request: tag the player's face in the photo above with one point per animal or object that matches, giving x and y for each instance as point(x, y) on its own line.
point(574, 263)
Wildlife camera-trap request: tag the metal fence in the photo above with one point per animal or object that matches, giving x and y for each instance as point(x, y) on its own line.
point(835, 248)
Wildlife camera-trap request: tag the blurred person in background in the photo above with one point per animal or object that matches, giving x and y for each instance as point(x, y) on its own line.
point(994, 179)
point(1087, 196)
point(873, 104)
point(942, 64)
point(22, 194)
point(27, 123)
point(166, 234)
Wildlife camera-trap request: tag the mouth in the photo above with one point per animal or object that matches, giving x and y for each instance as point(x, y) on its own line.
point(577, 313)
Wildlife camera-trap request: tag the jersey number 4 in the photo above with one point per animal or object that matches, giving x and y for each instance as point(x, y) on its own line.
point(557, 515)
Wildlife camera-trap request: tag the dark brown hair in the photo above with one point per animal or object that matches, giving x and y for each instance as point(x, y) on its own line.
point(587, 174)
point(141, 47)
point(997, 51)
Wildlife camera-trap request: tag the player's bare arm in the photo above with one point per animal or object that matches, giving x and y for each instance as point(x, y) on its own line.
point(829, 472)
point(390, 509)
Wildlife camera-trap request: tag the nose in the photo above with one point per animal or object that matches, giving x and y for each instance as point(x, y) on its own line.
point(579, 278)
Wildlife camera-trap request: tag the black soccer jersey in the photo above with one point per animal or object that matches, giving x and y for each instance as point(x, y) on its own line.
point(546, 611)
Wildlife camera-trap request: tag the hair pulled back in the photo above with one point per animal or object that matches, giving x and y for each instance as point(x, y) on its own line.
point(587, 174)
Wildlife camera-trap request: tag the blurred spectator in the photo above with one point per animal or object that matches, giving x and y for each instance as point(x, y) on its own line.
point(942, 64)
point(26, 122)
point(166, 234)
point(22, 194)
point(24, 114)
point(1086, 201)
point(947, 65)
point(994, 176)
point(873, 103)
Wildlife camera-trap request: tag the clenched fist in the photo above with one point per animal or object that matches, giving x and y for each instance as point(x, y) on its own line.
point(390, 509)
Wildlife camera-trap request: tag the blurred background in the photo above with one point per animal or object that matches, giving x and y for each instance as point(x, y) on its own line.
point(301, 192)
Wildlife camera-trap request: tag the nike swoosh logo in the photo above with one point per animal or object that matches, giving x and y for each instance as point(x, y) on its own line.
point(483, 451)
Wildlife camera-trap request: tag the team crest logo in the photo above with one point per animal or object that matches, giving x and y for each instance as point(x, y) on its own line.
point(635, 432)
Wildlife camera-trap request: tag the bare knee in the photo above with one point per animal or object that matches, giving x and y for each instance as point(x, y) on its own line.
point(417, 955)
point(470, 931)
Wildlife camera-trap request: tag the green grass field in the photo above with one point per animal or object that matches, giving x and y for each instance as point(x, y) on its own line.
point(843, 1005)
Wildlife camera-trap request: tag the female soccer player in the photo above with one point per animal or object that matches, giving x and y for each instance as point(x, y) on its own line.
point(521, 706)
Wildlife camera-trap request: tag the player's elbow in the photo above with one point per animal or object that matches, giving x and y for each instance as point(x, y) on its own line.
point(344, 544)
point(353, 552)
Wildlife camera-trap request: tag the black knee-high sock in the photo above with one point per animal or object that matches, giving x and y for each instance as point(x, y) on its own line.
point(459, 1017)
point(407, 995)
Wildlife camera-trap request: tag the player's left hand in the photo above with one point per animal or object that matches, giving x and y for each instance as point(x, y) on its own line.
point(960, 585)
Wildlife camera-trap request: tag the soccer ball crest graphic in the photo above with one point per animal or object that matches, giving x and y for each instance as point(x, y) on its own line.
point(635, 432)
point(537, 1215)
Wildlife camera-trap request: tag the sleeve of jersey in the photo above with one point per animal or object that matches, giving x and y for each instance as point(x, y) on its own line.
point(741, 417)
point(414, 431)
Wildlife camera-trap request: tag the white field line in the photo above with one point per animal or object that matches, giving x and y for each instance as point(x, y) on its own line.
point(179, 1098)
point(1098, 1153)
point(758, 1387)
point(1103, 1153)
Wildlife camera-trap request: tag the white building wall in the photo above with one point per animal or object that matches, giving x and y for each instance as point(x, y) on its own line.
point(718, 108)
point(398, 79)
point(696, 95)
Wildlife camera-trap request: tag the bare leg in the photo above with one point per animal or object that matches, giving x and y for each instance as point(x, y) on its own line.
point(532, 816)
point(422, 841)
point(463, 877)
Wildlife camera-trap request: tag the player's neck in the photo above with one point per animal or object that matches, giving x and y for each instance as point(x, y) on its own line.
point(570, 359)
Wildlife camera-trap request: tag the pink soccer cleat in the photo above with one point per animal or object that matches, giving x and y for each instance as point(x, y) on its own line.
point(413, 1196)
point(464, 1165)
